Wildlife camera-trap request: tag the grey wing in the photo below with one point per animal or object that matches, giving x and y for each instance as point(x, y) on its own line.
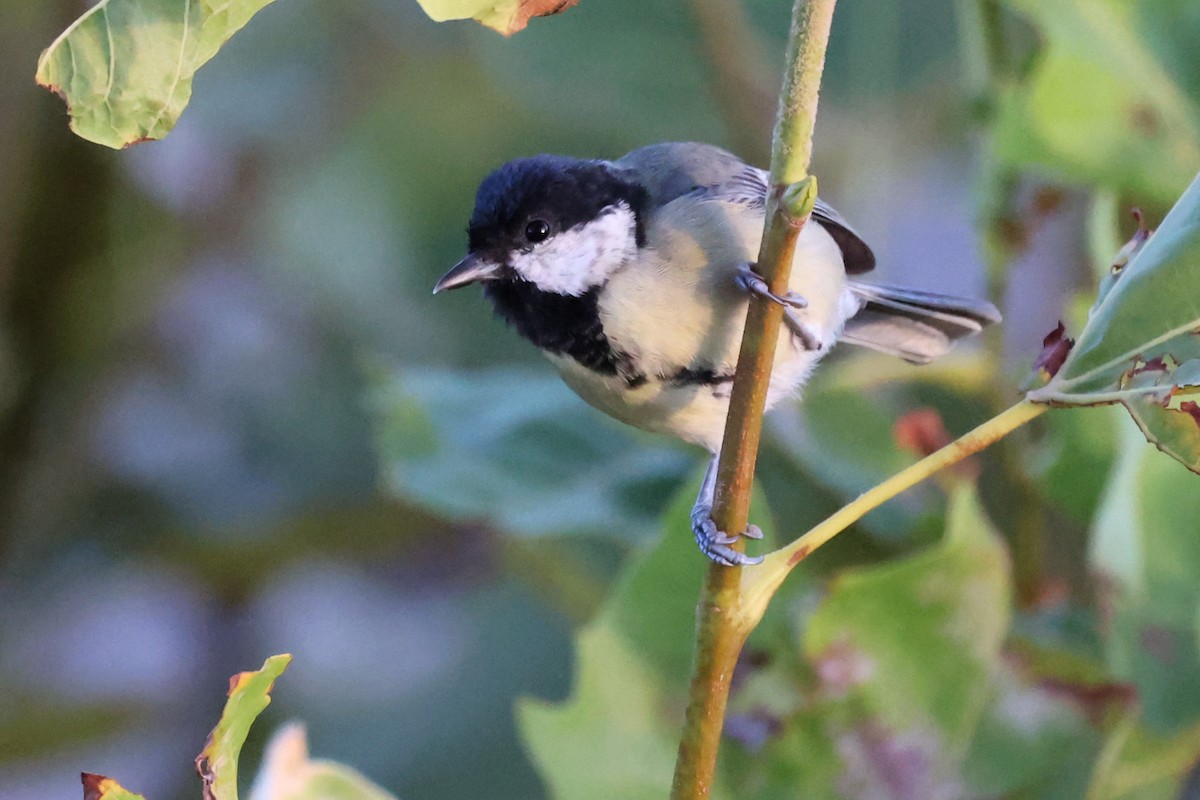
point(749, 187)
point(914, 325)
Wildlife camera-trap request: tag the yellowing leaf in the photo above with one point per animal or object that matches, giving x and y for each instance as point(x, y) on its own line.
point(98, 787)
point(249, 694)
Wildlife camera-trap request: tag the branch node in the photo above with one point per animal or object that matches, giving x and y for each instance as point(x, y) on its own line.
point(798, 200)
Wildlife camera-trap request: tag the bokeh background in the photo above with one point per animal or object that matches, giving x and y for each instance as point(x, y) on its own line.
point(234, 422)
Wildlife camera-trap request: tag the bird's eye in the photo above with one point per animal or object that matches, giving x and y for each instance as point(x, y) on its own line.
point(537, 231)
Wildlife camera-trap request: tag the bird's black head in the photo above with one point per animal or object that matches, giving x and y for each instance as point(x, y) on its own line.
point(561, 223)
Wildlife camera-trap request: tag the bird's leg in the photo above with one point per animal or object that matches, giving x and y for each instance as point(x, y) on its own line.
point(713, 542)
point(750, 281)
point(804, 333)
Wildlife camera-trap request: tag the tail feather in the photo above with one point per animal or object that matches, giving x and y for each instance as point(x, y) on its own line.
point(913, 325)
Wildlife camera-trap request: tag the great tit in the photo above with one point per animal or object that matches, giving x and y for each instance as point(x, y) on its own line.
point(633, 277)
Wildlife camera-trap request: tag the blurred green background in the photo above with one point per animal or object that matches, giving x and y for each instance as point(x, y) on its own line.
point(234, 422)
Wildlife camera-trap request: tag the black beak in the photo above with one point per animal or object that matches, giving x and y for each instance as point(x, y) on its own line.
point(472, 269)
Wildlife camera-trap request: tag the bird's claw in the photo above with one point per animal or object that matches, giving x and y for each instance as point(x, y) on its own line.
point(805, 334)
point(749, 280)
point(714, 542)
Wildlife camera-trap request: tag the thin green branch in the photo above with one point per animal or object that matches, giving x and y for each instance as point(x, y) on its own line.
point(719, 637)
point(760, 582)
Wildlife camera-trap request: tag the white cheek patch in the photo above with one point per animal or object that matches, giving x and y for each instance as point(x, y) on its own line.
point(574, 261)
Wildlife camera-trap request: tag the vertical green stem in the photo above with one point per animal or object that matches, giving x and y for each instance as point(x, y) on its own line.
point(719, 636)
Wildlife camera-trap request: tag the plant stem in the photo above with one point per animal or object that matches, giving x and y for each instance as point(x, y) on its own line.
point(760, 582)
point(719, 637)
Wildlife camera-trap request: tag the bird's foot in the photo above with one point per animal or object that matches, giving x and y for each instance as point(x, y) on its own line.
point(750, 281)
point(714, 542)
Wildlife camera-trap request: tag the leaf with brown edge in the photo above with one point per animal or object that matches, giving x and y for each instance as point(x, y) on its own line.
point(1141, 344)
point(249, 694)
point(125, 67)
point(98, 787)
point(505, 16)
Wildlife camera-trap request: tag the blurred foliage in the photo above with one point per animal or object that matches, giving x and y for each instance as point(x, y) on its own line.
point(193, 416)
point(1104, 102)
point(535, 461)
point(289, 774)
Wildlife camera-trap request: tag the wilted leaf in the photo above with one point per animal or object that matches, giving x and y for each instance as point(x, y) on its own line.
point(98, 787)
point(519, 449)
point(1055, 347)
point(1099, 105)
point(505, 16)
point(125, 67)
point(1141, 345)
point(249, 694)
point(917, 641)
point(288, 773)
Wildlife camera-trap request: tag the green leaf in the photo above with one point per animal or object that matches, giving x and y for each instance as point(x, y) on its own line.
point(846, 444)
point(288, 773)
point(1099, 105)
point(1146, 554)
point(1141, 345)
point(1139, 765)
point(249, 694)
point(654, 605)
point(505, 16)
point(125, 67)
point(1030, 743)
point(98, 787)
point(617, 734)
point(613, 737)
point(915, 642)
point(534, 459)
point(1072, 459)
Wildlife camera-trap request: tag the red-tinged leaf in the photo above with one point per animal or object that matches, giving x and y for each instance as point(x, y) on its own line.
point(1055, 347)
point(249, 694)
point(98, 787)
point(504, 16)
point(529, 9)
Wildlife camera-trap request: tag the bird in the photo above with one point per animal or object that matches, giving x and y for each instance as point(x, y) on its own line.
point(633, 276)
